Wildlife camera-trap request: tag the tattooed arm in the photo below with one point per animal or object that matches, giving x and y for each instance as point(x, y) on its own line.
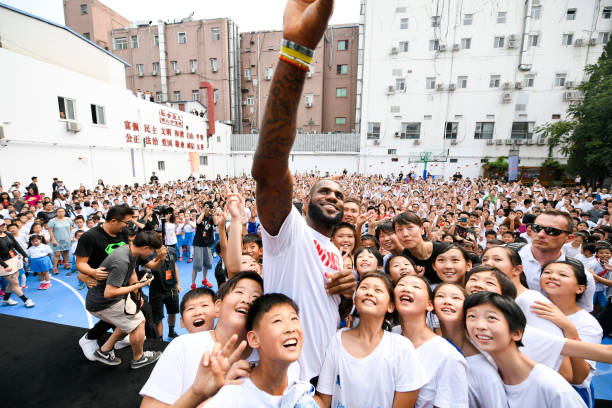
point(304, 23)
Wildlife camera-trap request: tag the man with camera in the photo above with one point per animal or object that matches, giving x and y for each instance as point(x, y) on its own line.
point(116, 300)
point(202, 245)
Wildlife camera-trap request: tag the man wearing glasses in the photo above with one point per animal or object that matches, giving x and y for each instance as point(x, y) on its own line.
point(548, 233)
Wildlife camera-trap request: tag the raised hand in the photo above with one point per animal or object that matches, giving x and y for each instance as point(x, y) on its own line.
point(305, 21)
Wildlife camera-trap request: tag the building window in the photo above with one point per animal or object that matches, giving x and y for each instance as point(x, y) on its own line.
point(435, 21)
point(411, 130)
point(97, 115)
point(134, 41)
point(342, 69)
point(499, 42)
point(567, 39)
point(604, 37)
point(560, 80)
point(215, 95)
point(571, 14)
point(403, 46)
point(214, 65)
point(203, 160)
point(340, 121)
point(501, 17)
point(341, 92)
point(156, 40)
point(434, 45)
point(174, 65)
point(182, 38)
point(391, 151)
point(467, 19)
point(121, 43)
point(155, 68)
point(607, 12)
point(66, 108)
point(400, 84)
point(450, 130)
point(484, 130)
point(83, 8)
point(466, 43)
point(403, 24)
point(395, 109)
point(533, 40)
point(374, 130)
point(536, 12)
point(269, 73)
point(528, 81)
point(193, 65)
point(522, 130)
point(343, 45)
point(158, 96)
point(216, 33)
point(86, 35)
point(556, 116)
point(494, 81)
point(462, 81)
point(177, 95)
point(161, 166)
point(195, 94)
point(430, 83)
point(250, 100)
point(140, 69)
point(247, 74)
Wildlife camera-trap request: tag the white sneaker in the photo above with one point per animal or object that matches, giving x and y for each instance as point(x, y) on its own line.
point(29, 303)
point(9, 302)
point(121, 344)
point(89, 347)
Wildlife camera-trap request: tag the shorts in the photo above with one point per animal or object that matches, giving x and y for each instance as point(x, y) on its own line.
point(202, 258)
point(115, 315)
point(188, 238)
point(158, 301)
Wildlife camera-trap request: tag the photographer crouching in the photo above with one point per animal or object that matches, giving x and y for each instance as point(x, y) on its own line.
point(117, 300)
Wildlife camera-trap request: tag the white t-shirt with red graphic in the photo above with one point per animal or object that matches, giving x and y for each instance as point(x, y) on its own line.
point(296, 263)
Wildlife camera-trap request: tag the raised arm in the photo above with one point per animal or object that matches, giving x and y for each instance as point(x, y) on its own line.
point(304, 23)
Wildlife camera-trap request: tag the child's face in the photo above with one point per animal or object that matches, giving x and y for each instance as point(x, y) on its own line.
point(366, 262)
point(604, 255)
point(91, 224)
point(372, 298)
point(279, 335)
point(344, 240)
point(400, 266)
point(234, 307)
point(347, 263)
point(36, 242)
point(79, 223)
point(488, 328)
point(248, 264)
point(498, 257)
point(411, 296)
point(448, 303)
point(559, 280)
point(451, 266)
point(199, 314)
point(368, 243)
point(482, 281)
point(252, 249)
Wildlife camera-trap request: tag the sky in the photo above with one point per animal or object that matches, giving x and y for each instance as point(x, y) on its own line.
point(250, 15)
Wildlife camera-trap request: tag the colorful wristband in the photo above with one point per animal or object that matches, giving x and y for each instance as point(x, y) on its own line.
point(296, 55)
point(297, 47)
point(296, 63)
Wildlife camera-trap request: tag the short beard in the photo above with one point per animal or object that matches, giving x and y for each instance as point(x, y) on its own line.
point(315, 213)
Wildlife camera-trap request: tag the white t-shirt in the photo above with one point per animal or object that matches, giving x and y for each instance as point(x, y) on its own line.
point(543, 388)
point(296, 261)
point(569, 250)
point(528, 298)
point(373, 380)
point(543, 347)
point(486, 388)
point(446, 373)
point(590, 331)
point(170, 234)
point(244, 395)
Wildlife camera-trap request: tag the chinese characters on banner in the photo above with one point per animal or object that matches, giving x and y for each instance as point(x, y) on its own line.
point(168, 133)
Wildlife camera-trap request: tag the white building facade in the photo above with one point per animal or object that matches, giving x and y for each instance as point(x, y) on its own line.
point(470, 78)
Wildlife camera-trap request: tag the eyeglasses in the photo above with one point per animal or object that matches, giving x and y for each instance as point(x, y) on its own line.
point(548, 230)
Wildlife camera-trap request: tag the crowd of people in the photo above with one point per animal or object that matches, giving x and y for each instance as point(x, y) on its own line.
point(344, 291)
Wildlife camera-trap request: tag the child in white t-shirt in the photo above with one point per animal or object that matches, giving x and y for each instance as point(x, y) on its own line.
point(495, 324)
point(346, 378)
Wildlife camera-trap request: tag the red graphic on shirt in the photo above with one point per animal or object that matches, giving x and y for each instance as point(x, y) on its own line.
point(329, 259)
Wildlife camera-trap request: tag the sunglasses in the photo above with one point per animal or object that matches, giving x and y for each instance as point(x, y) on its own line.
point(548, 230)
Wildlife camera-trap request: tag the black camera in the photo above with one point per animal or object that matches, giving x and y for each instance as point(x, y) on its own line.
point(162, 210)
point(149, 275)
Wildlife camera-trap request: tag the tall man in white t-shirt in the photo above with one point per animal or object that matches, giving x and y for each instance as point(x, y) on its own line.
point(550, 231)
point(300, 261)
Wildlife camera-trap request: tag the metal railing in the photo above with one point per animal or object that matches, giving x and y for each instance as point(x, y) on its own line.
point(318, 142)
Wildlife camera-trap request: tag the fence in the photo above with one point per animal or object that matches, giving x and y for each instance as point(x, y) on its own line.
point(318, 142)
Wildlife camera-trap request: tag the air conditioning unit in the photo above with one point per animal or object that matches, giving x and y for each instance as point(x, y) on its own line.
point(518, 85)
point(417, 141)
point(507, 85)
point(512, 37)
point(376, 142)
point(248, 78)
point(394, 51)
point(512, 43)
point(2, 133)
point(192, 70)
point(541, 141)
point(214, 70)
point(569, 84)
point(509, 141)
point(439, 87)
point(268, 77)
point(570, 96)
point(453, 142)
point(141, 74)
point(519, 141)
point(499, 142)
point(578, 42)
point(178, 71)
point(506, 97)
point(309, 104)
point(529, 142)
point(244, 102)
point(592, 41)
point(154, 73)
point(73, 126)
point(489, 142)
point(455, 47)
point(451, 87)
point(391, 89)
point(442, 48)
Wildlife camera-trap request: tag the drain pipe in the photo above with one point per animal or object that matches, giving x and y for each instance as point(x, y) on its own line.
point(210, 108)
point(523, 52)
point(163, 68)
